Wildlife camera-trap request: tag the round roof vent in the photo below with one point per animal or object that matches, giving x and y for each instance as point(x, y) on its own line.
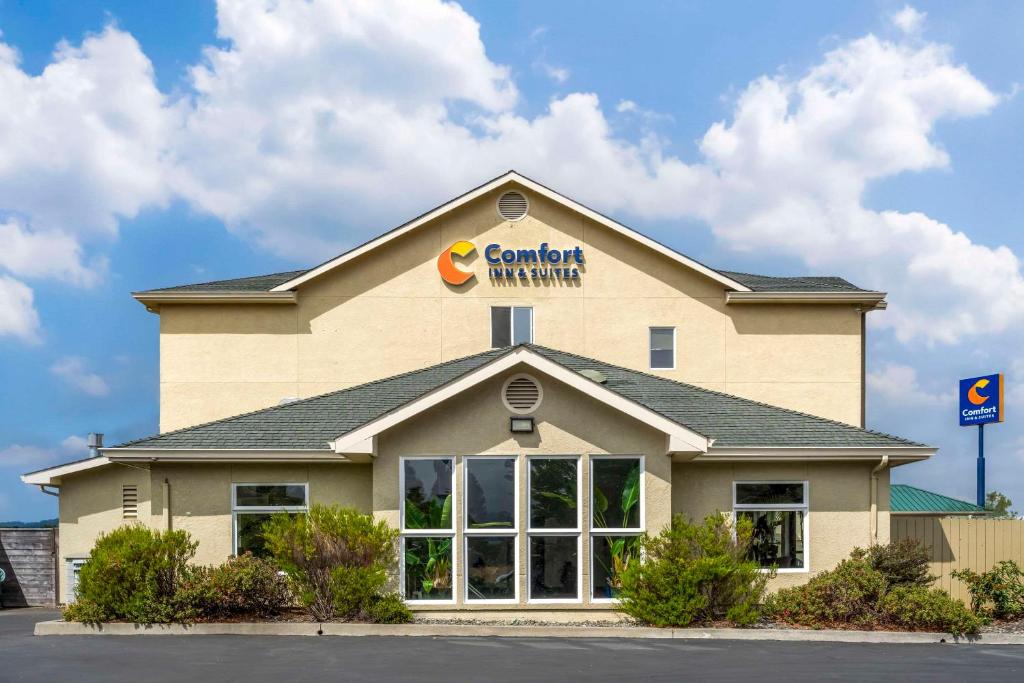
point(521, 394)
point(512, 206)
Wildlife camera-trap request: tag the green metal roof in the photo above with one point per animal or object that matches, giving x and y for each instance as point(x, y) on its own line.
point(904, 498)
point(731, 421)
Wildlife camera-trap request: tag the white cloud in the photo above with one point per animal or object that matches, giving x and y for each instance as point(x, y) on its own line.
point(908, 19)
point(18, 316)
point(558, 74)
point(53, 254)
point(74, 371)
point(899, 384)
point(18, 455)
point(74, 445)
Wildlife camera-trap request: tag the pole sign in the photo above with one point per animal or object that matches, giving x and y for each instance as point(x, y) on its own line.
point(981, 400)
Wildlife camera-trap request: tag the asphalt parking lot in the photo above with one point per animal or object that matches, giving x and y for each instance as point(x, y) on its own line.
point(254, 659)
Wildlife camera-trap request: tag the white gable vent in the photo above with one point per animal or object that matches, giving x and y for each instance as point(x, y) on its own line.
point(512, 206)
point(130, 501)
point(521, 394)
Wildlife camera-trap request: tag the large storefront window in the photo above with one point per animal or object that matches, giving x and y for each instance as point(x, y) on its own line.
point(554, 531)
point(428, 529)
point(490, 529)
point(616, 507)
point(778, 513)
point(252, 505)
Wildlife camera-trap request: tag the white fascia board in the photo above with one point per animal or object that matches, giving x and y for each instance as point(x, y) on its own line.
point(512, 176)
point(906, 453)
point(873, 299)
point(304, 455)
point(681, 439)
point(49, 477)
point(155, 299)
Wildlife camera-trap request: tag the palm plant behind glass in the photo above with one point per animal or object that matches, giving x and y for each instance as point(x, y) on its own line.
point(622, 548)
point(435, 573)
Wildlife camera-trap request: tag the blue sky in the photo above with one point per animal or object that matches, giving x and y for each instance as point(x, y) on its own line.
point(870, 140)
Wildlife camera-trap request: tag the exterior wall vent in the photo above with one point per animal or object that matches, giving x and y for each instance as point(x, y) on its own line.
point(130, 501)
point(521, 394)
point(512, 206)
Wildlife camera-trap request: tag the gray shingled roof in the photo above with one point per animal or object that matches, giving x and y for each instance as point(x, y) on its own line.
point(807, 283)
point(311, 423)
point(256, 283)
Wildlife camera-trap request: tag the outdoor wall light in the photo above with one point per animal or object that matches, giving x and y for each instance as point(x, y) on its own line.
point(521, 425)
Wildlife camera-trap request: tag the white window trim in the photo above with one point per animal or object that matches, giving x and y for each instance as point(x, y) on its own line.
point(781, 507)
point(421, 533)
point(511, 324)
point(505, 532)
point(651, 349)
point(614, 531)
point(236, 509)
point(577, 532)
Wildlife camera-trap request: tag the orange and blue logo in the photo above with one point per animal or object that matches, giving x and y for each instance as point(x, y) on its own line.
point(452, 272)
point(981, 400)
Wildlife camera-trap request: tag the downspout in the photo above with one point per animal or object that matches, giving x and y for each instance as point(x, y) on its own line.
point(874, 497)
point(167, 505)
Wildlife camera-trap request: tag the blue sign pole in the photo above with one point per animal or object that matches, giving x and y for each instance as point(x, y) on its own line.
point(981, 465)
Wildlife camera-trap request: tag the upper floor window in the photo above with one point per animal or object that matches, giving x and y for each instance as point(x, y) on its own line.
point(511, 325)
point(663, 348)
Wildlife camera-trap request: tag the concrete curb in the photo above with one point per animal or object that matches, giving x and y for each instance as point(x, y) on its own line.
point(66, 628)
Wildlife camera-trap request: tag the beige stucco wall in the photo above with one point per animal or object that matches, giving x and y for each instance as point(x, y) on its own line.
point(839, 510)
point(567, 423)
point(389, 312)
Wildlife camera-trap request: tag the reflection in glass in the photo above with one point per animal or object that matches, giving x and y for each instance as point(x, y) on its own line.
point(553, 503)
point(553, 567)
point(490, 493)
point(428, 493)
point(611, 556)
point(778, 538)
point(616, 500)
point(270, 495)
point(428, 568)
point(490, 568)
point(249, 530)
point(770, 494)
point(522, 325)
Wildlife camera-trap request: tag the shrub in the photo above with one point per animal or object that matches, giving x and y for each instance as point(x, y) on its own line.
point(902, 563)
point(336, 558)
point(998, 592)
point(389, 609)
point(133, 574)
point(916, 607)
point(694, 573)
point(242, 586)
point(848, 594)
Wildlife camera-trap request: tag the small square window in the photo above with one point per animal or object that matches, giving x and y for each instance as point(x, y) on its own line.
point(511, 325)
point(663, 348)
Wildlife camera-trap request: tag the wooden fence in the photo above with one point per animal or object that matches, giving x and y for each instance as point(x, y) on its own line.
point(29, 559)
point(962, 543)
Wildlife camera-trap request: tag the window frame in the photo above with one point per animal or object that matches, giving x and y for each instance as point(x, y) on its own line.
point(531, 532)
point(614, 531)
point(804, 507)
point(237, 509)
point(427, 533)
point(498, 532)
point(512, 324)
point(650, 346)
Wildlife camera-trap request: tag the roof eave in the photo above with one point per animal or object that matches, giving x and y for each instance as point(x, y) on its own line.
point(870, 300)
point(289, 455)
point(897, 454)
point(153, 300)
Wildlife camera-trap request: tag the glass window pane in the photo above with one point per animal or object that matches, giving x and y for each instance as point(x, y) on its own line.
point(522, 325)
point(428, 493)
point(490, 567)
point(270, 495)
point(612, 554)
point(553, 565)
point(616, 501)
point(501, 326)
point(428, 568)
point(661, 359)
point(769, 494)
point(778, 538)
point(490, 493)
point(249, 530)
point(661, 338)
point(553, 501)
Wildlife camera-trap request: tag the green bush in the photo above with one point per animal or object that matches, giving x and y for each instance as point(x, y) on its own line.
point(337, 559)
point(694, 573)
point(848, 594)
point(999, 592)
point(133, 574)
point(243, 586)
point(389, 609)
point(916, 607)
point(902, 563)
